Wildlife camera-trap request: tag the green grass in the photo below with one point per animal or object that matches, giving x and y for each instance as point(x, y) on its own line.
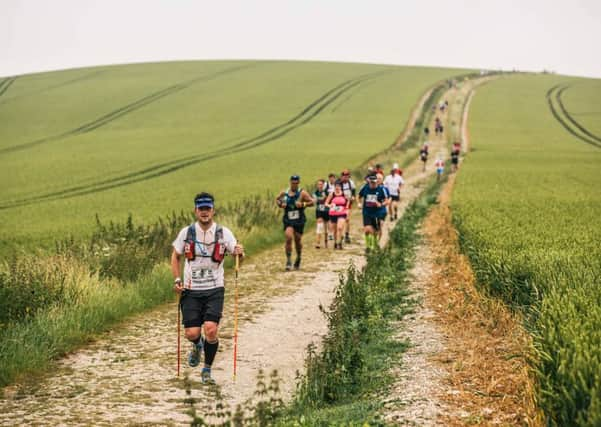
point(527, 205)
point(170, 117)
point(112, 153)
point(30, 347)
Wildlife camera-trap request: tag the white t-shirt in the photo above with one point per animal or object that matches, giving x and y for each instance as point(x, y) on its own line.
point(348, 188)
point(329, 187)
point(203, 273)
point(392, 182)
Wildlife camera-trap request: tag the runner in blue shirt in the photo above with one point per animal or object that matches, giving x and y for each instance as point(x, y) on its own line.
point(372, 197)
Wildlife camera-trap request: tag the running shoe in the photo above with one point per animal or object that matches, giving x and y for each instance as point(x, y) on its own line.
point(205, 377)
point(347, 239)
point(297, 264)
point(288, 265)
point(194, 355)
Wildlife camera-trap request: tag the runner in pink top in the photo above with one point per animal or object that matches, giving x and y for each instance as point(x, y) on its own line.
point(339, 205)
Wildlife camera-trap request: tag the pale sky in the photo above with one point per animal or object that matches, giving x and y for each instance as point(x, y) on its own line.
point(558, 35)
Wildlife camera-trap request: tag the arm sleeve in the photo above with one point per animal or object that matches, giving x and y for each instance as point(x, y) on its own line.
point(178, 243)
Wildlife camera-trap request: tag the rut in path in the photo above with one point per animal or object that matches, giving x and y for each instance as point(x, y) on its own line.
point(128, 375)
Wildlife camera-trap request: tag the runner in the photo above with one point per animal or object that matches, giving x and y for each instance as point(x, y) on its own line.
point(439, 167)
point(438, 128)
point(329, 187)
point(349, 190)
point(393, 184)
point(427, 131)
point(294, 200)
point(339, 206)
point(321, 214)
point(423, 154)
point(382, 210)
point(378, 169)
point(373, 198)
point(204, 245)
point(455, 152)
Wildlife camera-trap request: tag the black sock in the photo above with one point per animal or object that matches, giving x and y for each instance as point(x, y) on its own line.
point(288, 255)
point(210, 352)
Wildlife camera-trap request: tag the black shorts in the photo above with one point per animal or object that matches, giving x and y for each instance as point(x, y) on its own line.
point(323, 215)
point(374, 221)
point(395, 198)
point(298, 228)
point(201, 306)
point(334, 219)
point(455, 160)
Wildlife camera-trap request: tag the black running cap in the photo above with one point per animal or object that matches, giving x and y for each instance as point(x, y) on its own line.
point(372, 178)
point(295, 178)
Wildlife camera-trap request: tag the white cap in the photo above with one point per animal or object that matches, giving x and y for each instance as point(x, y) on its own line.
point(395, 165)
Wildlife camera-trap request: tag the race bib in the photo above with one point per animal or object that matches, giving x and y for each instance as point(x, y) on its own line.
point(322, 208)
point(203, 276)
point(293, 215)
point(337, 209)
point(371, 200)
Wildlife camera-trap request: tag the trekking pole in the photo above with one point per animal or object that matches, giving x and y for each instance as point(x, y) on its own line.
point(236, 314)
point(178, 333)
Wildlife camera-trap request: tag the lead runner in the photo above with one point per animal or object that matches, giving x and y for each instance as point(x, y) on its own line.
point(204, 245)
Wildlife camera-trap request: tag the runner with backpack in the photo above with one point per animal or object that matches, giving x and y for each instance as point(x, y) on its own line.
point(373, 197)
point(204, 245)
point(349, 190)
point(339, 206)
point(293, 201)
point(322, 216)
point(393, 184)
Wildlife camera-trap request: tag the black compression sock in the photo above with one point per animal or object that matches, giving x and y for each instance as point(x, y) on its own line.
point(210, 352)
point(288, 256)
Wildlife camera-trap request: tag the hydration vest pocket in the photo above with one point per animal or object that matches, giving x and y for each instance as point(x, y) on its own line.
point(189, 250)
point(218, 253)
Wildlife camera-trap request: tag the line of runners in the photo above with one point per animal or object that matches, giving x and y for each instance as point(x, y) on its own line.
point(333, 200)
point(204, 244)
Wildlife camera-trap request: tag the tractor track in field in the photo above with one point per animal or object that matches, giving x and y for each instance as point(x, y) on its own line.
point(56, 86)
point(564, 118)
point(571, 119)
point(305, 116)
point(5, 84)
point(122, 111)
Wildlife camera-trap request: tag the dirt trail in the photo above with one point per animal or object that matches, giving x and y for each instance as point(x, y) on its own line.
point(128, 375)
point(414, 399)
